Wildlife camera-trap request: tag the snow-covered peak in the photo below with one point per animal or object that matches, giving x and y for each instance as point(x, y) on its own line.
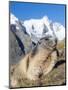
point(59, 30)
point(38, 28)
point(13, 19)
point(41, 27)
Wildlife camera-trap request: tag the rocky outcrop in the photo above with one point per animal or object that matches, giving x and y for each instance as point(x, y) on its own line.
point(19, 44)
point(15, 51)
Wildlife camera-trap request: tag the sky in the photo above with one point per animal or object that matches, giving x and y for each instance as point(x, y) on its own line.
point(26, 11)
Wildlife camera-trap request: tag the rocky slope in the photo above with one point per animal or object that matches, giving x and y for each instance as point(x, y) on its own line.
point(15, 52)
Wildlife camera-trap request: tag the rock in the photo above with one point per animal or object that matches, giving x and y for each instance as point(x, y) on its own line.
point(19, 44)
point(15, 52)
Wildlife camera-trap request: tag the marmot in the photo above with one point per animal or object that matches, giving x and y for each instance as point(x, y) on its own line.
point(40, 61)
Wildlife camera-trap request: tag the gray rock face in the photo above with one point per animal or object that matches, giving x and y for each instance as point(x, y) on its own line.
point(15, 52)
point(25, 39)
point(19, 43)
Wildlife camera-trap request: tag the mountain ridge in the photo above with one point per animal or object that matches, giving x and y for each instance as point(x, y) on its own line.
point(39, 27)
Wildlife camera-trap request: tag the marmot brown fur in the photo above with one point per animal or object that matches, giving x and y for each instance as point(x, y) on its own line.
point(40, 61)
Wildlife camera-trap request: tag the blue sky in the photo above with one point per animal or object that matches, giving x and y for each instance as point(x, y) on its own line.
point(25, 11)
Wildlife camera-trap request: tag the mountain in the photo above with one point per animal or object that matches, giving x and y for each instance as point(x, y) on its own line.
point(13, 20)
point(19, 41)
point(38, 28)
point(20, 32)
point(59, 31)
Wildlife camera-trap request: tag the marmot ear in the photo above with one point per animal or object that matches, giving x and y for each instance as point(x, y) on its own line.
point(39, 42)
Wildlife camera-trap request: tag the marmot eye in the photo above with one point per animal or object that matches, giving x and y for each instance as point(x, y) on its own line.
point(46, 38)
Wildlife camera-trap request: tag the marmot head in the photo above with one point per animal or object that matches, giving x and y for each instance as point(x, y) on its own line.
point(48, 42)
